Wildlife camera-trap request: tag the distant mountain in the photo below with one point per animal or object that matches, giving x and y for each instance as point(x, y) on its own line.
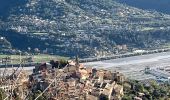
point(157, 5)
point(84, 27)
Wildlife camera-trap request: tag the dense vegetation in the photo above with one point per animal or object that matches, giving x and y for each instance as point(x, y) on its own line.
point(148, 91)
point(2, 94)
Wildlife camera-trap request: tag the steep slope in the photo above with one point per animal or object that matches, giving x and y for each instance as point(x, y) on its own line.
point(87, 27)
point(4, 45)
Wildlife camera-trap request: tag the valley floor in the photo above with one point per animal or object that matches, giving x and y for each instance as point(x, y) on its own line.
point(133, 67)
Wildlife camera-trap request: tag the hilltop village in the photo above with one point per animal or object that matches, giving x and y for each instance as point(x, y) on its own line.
point(67, 81)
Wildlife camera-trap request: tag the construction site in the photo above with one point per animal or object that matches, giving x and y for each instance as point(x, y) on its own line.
point(59, 80)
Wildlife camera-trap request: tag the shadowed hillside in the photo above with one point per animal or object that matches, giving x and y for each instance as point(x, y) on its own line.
point(158, 5)
point(7, 5)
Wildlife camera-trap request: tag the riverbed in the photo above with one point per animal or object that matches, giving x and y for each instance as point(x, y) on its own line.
point(133, 67)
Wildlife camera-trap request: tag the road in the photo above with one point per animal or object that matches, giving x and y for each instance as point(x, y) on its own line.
point(133, 67)
point(9, 71)
point(128, 54)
